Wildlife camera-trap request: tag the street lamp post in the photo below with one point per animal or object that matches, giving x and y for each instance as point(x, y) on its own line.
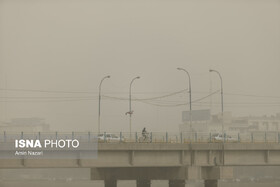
point(190, 94)
point(130, 111)
point(222, 97)
point(99, 103)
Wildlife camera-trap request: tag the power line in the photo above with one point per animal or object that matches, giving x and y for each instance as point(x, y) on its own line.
point(40, 101)
point(95, 92)
point(32, 97)
point(251, 95)
point(180, 104)
point(152, 98)
point(164, 96)
point(46, 91)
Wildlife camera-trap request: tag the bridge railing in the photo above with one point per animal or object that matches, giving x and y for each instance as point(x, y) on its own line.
point(152, 137)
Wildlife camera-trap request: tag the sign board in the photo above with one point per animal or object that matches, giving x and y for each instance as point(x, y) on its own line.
point(197, 115)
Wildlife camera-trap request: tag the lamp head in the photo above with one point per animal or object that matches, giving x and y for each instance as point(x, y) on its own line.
point(210, 70)
point(108, 76)
point(138, 77)
point(179, 69)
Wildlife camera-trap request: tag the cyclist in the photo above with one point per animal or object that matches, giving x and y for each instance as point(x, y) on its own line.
point(144, 133)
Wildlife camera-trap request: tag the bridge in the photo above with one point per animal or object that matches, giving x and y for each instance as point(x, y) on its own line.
point(171, 160)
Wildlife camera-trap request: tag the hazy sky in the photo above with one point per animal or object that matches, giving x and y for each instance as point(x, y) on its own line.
point(69, 45)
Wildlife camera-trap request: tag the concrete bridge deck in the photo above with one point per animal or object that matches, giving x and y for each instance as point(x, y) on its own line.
point(163, 155)
point(175, 162)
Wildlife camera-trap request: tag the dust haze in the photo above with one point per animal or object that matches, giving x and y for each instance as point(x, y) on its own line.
point(53, 55)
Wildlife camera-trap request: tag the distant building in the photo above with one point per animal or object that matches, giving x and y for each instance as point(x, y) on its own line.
point(265, 123)
point(240, 124)
point(233, 124)
point(25, 125)
point(252, 124)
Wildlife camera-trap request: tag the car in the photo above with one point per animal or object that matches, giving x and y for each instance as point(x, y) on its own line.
point(220, 138)
point(109, 137)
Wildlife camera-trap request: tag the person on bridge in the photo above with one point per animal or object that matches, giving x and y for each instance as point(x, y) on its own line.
point(144, 133)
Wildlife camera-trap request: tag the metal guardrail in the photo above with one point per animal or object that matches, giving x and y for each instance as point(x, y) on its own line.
point(152, 137)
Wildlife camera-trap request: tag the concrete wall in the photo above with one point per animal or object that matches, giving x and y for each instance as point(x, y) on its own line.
point(162, 155)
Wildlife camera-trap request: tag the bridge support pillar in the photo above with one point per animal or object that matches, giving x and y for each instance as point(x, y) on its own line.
point(211, 183)
point(110, 183)
point(177, 183)
point(143, 183)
